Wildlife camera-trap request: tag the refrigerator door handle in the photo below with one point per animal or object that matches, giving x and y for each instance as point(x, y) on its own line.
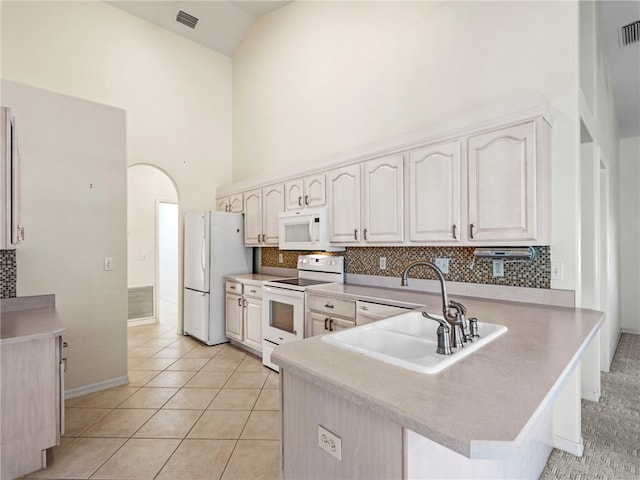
point(202, 256)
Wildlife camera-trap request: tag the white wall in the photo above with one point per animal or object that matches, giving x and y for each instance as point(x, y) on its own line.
point(177, 94)
point(73, 207)
point(168, 271)
point(317, 78)
point(630, 233)
point(146, 185)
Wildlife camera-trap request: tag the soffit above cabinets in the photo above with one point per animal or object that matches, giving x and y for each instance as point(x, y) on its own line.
point(221, 26)
point(624, 63)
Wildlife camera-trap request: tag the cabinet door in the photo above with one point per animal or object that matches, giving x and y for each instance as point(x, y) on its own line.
point(314, 191)
point(235, 203)
point(383, 200)
point(344, 204)
point(319, 324)
point(253, 217)
point(433, 182)
point(502, 184)
point(222, 204)
point(253, 323)
point(294, 194)
point(234, 317)
point(273, 204)
point(337, 324)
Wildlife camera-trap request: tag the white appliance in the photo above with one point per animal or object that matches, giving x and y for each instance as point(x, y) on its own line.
point(305, 230)
point(283, 301)
point(213, 247)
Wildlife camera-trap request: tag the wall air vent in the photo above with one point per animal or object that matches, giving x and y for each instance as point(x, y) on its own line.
point(629, 34)
point(186, 19)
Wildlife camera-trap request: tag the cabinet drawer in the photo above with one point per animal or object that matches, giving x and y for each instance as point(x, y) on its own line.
point(333, 306)
point(253, 291)
point(234, 287)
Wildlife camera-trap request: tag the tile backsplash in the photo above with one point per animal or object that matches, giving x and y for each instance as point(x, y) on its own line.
point(8, 273)
point(463, 266)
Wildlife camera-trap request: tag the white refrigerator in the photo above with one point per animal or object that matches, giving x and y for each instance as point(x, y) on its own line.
point(213, 247)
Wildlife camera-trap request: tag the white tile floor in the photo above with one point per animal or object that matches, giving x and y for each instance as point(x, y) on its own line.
point(189, 412)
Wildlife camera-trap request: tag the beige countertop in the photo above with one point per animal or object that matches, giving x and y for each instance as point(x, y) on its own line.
point(252, 278)
point(477, 407)
point(389, 296)
point(28, 318)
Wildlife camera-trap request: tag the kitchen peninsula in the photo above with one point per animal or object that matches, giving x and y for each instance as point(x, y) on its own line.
point(488, 416)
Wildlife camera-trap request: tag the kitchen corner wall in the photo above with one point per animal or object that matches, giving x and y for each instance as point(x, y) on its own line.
point(463, 267)
point(8, 272)
point(73, 189)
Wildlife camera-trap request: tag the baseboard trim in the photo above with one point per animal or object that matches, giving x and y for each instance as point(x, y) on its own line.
point(142, 321)
point(568, 446)
point(591, 396)
point(95, 387)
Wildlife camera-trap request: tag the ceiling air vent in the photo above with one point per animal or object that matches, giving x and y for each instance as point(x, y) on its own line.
point(630, 34)
point(186, 19)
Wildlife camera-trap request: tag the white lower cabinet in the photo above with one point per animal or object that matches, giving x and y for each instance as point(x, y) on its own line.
point(253, 323)
point(32, 397)
point(244, 314)
point(328, 314)
point(234, 313)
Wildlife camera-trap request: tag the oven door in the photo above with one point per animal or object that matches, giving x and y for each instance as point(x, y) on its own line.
point(282, 314)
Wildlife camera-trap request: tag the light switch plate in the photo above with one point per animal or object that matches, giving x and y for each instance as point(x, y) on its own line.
point(108, 264)
point(330, 442)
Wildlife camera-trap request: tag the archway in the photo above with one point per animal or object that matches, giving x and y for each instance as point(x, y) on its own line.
point(152, 245)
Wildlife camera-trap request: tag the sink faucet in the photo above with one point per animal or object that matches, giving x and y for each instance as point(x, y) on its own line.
point(453, 312)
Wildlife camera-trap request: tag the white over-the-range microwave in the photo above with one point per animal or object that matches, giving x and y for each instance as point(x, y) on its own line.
point(305, 230)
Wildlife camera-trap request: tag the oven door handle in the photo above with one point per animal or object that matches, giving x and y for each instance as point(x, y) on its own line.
point(281, 292)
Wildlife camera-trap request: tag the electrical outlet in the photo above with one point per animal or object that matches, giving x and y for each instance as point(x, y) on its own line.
point(280, 258)
point(108, 264)
point(557, 272)
point(383, 263)
point(330, 442)
point(443, 264)
point(498, 268)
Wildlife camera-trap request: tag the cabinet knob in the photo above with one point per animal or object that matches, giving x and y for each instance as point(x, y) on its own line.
point(455, 231)
point(355, 233)
point(471, 227)
point(299, 201)
point(326, 319)
point(331, 325)
point(239, 302)
point(365, 234)
point(328, 305)
point(306, 200)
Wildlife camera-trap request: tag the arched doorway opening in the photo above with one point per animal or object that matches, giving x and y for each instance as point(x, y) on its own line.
point(152, 245)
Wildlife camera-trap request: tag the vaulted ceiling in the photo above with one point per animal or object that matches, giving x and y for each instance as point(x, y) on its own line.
point(223, 25)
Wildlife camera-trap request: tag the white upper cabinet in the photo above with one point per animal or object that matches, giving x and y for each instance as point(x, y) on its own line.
point(232, 203)
point(261, 209)
point(433, 200)
point(383, 202)
point(343, 185)
point(11, 232)
point(305, 192)
point(502, 193)
point(366, 202)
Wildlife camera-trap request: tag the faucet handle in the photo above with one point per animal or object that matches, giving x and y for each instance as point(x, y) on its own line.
point(473, 327)
point(444, 335)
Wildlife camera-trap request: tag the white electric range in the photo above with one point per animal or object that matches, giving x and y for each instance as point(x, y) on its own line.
point(283, 301)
